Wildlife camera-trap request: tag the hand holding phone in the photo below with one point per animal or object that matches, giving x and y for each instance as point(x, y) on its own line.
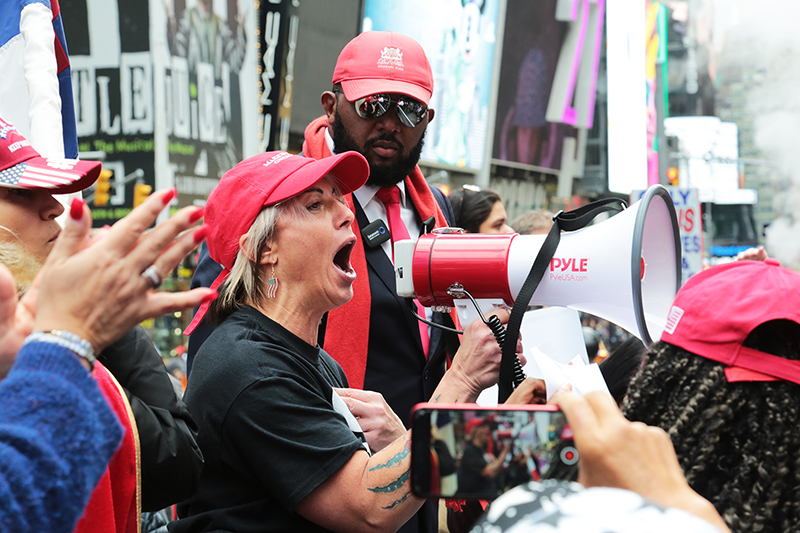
point(468, 451)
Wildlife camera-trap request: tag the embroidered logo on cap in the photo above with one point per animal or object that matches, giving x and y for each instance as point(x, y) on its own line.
point(391, 58)
point(674, 317)
point(277, 158)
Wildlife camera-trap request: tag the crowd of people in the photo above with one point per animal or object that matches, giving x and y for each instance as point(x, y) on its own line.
point(305, 364)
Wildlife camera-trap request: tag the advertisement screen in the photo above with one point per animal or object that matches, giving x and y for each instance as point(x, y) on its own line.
point(459, 38)
point(531, 46)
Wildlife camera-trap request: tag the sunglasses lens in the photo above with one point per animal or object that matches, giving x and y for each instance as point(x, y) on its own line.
point(410, 111)
point(373, 106)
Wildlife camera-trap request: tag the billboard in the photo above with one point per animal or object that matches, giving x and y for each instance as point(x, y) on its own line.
point(112, 82)
point(205, 52)
point(166, 89)
point(459, 38)
point(532, 44)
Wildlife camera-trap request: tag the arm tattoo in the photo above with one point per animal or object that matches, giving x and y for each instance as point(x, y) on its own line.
point(398, 502)
point(395, 460)
point(394, 485)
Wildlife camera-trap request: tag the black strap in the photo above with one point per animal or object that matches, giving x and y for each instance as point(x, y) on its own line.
point(562, 221)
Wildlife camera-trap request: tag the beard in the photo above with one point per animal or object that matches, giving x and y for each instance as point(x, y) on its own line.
point(379, 175)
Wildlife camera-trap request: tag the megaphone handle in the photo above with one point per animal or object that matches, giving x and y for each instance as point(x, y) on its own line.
point(499, 333)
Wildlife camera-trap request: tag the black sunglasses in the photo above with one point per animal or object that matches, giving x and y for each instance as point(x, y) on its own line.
point(410, 111)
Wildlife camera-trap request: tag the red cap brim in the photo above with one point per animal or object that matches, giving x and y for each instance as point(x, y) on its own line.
point(58, 176)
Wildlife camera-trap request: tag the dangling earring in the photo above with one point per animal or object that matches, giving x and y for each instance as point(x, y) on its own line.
point(272, 291)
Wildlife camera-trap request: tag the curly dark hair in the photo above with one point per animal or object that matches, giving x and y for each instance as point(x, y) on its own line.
point(736, 442)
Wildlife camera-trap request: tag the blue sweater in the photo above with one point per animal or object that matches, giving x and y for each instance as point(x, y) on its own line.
point(57, 434)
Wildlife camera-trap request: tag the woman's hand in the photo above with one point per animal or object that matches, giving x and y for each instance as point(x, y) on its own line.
point(98, 292)
point(530, 391)
point(476, 364)
point(381, 426)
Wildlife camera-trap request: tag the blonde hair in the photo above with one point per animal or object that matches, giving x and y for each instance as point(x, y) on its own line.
point(244, 285)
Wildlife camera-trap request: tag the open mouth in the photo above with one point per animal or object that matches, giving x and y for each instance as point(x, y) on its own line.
point(342, 257)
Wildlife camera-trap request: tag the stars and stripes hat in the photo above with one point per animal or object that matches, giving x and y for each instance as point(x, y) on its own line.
point(21, 167)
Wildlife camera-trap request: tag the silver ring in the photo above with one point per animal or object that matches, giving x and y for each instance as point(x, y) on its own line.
point(152, 275)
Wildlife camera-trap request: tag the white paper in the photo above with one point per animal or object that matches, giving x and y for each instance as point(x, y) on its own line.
point(555, 331)
point(583, 378)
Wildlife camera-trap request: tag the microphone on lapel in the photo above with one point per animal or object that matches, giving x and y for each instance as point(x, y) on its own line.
point(376, 233)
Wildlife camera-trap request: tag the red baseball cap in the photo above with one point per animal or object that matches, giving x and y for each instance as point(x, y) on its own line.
point(260, 181)
point(384, 62)
point(716, 309)
point(21, 167)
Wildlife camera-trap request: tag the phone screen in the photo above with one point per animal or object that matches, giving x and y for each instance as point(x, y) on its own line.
point(467, 451)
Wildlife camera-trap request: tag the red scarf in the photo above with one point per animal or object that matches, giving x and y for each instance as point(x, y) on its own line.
point(115, 505)
point(347, 329)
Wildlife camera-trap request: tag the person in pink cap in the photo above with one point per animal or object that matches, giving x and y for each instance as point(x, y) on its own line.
point(724, 382)
point(278, 427)
point(378, 106)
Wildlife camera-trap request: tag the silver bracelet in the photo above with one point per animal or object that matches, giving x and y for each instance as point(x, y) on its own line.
point(66, 339)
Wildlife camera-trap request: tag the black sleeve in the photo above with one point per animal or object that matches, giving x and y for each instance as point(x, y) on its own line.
point(204, 275)
point(170, 457)
point(444, 205)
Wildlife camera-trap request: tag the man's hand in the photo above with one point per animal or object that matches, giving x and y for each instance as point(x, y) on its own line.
point(380, 424)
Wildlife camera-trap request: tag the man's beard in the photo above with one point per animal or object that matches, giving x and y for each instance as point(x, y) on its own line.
point(379, 175)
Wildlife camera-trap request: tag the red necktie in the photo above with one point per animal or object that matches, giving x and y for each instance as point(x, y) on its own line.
point(390, 196)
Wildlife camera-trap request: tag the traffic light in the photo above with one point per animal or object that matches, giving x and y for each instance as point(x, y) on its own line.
point(672, 175)
point(103, 185)
point(140, 193)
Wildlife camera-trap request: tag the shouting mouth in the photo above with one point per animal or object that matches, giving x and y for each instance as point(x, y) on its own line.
point(342, 258)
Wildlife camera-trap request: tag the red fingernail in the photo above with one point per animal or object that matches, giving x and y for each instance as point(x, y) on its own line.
point(209, 297)
point(76, 209)
point(173, 192)
point(106, 226)
point(197, 215)
point(201, 234)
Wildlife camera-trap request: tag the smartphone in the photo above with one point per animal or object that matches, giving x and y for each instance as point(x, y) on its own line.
point(464, 451)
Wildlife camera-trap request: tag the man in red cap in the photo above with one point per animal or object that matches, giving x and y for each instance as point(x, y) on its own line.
point(378, 106)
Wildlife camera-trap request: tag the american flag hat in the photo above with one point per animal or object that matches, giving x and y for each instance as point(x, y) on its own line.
point(21, 167)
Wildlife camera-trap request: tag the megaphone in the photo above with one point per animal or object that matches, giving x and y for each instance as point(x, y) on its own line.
point(626, 269)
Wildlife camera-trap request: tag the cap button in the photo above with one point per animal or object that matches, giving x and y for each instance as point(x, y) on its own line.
point(772, 261)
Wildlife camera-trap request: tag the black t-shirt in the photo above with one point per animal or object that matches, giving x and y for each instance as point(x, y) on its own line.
point(270, 427)
point(472, 480)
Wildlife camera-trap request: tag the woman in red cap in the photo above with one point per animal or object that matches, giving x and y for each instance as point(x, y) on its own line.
point(286, 448)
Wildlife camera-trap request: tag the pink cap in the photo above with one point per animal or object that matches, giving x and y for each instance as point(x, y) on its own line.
point(384, 62)
point(260, 181)
point(21, 167)
point(716, 309)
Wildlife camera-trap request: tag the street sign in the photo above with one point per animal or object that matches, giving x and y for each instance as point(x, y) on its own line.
point(690, 224)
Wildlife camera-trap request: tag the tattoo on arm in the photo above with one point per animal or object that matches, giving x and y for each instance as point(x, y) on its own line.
point(398, 502)
point(394, 460)
point(394, 485)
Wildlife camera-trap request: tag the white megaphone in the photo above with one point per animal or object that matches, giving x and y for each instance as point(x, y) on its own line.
point(626, 269)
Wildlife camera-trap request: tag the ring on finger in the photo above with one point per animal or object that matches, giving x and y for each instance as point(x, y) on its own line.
point(152, 275)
